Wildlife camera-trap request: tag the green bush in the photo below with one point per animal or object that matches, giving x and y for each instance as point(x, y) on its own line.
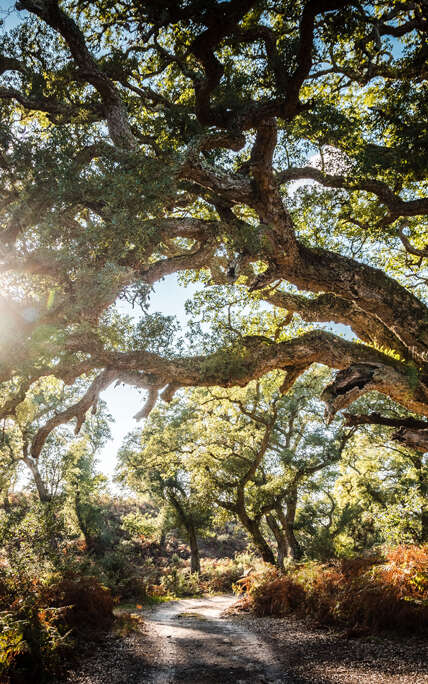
point(12, 640)
point(181, 582)
point(220, 575)
point(139, 525)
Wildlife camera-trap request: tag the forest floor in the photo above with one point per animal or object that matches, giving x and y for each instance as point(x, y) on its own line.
point(191, 640)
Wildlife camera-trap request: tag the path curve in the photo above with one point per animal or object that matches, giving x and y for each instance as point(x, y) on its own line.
point(196, 643)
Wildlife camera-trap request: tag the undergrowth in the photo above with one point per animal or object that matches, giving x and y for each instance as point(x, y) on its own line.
point(363, 594)
point(40, 618)
point(174, 579)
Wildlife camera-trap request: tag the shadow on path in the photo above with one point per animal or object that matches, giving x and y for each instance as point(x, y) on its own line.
point(197, 644)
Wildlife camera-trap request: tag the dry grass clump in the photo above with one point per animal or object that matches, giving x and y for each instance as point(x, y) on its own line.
point(89, 604)
point(361, 594)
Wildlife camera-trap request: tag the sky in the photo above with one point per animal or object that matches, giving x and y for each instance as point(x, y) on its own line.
point(8, 14)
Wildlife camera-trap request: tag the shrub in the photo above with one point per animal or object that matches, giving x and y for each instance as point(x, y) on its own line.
point(363, 594)
point(12, 641)
point(181, 582)
point(114, 569)
point(216, 576)
point(139, 525)
point(278, 597)
point(406, 571)
point(219, 576)
point(90, 604)
point(40, 618)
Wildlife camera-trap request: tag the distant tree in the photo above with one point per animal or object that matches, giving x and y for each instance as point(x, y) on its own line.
point(82, 484)
point(64, 472)
point(150, 461)
point(258, 449)
point(249, 452)
point(387, 486)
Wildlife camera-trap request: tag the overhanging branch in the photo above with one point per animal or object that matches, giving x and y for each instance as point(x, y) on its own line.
point(411, 432)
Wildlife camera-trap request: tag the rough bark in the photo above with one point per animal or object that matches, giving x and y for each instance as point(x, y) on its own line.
point(42, 491)
point(422, 480)
point(188, 524)
point(424, 531)
point(281, 541)
point(253, 528)
point(287, 521)
point(411, 432)
point(195, 563)
point(81, 518)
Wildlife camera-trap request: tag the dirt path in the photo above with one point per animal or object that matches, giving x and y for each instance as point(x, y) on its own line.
point(197, 644)
point(189, 641)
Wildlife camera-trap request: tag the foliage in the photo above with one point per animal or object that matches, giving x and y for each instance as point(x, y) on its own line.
point(247, 454)
point(367, 594)
point(181, 582)
point(41, 618)
point(269, 593)
point(272, 151)
point(137, 524)
point(152, 464)
point(219, 575)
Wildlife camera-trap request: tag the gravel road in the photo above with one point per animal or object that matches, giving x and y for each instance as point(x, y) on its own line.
point(191, 641)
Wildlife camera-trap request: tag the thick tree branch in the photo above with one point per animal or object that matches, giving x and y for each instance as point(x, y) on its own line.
point(117, 120)
point(411, 432)
point(369, 288)
point(364, 369)
point(220, 22)
point(330, 308)
point(268, 200)
point(408, 245)
point(393, 202)
point(77, 411)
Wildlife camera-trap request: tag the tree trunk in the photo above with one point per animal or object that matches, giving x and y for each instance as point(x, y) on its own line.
point(6, 502)
point(46, 499)
point(89, 539)
point(280, 538)
point(188, 524)
point(287, 521)
point(42, 491)
point(424, 531)
point(255, 533)
point(294, 551)
point(195, 563)
point(423, 490)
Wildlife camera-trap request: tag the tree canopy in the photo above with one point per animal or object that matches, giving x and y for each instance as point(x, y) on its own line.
point(267, 147)
point(248, 453)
